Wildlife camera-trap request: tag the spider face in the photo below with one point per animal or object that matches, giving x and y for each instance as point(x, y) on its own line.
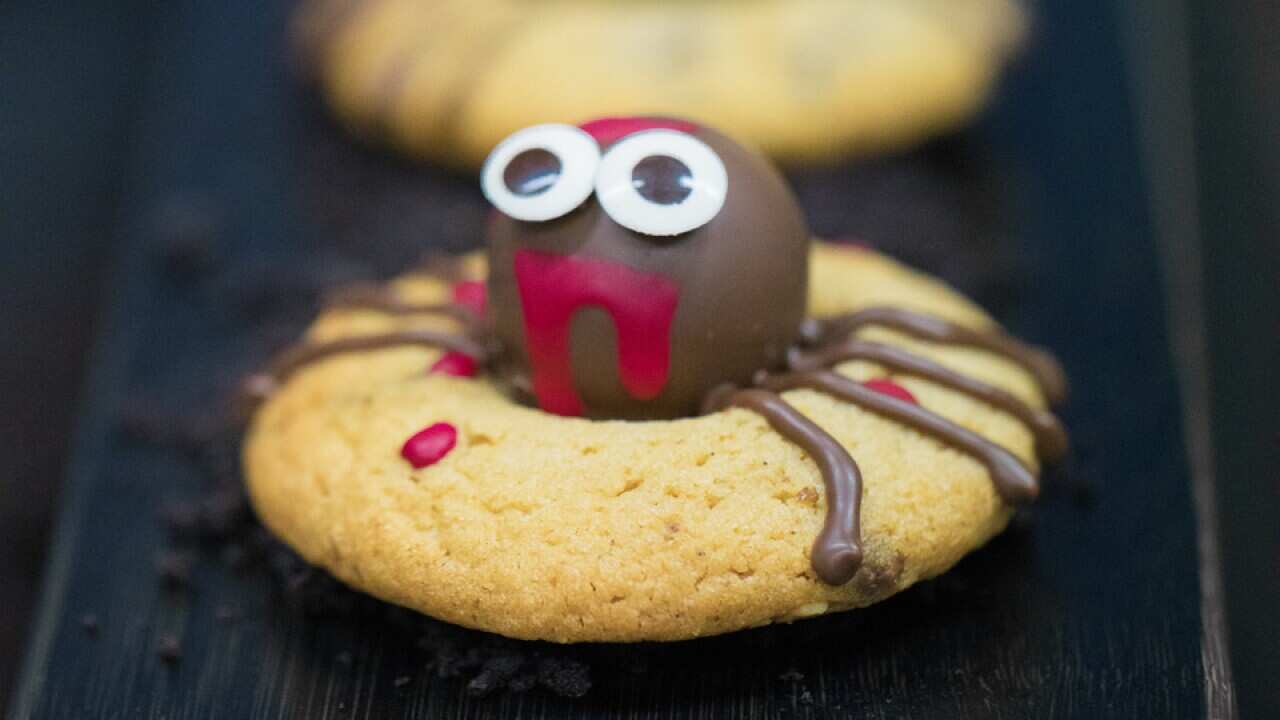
point(635, 263)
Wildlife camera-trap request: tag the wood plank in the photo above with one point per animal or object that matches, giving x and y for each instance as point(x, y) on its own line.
point(1090, 608)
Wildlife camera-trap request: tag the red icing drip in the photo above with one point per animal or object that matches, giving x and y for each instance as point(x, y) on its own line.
point(609, 130)
point(891, 388)
point(471, 294)
point(456, 364)
point(642, 306)
point(429, 445)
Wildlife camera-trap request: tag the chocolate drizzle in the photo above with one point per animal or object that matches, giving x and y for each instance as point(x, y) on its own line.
point(262, 385)
point(1046, 370)
point(1051, 438)
point(837, 551)
point(442, 266)
point(385, 300)
point(1013, 480)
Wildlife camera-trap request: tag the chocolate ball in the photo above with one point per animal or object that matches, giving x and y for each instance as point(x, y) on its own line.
point(681, 266)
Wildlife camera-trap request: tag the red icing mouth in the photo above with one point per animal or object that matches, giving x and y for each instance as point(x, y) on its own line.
point(642, 305)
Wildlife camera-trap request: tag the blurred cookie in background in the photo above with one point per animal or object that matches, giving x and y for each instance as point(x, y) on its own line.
point(808, 81)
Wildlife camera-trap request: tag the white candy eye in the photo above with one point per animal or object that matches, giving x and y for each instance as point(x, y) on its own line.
point(541, 172)
point(661, 182)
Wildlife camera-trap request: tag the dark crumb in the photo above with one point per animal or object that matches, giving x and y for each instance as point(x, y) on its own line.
point(235, 556)
point(401, 681)
point(186, 227)
point(343, 658)
point(496, 673)
point(226, 613)
point(169, 649)
point(792, 675)
point(181, 518)
point(89, 622)
point(564, 676)
point(174, 569)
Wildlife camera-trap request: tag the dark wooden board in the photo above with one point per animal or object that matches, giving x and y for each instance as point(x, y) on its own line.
point(1089, 607)
point(68, 78)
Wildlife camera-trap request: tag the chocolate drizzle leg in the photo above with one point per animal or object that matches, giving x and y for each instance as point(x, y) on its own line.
point(442, 266)
point(262, 385)
point(366, 297)
point(1051, 438)
point(837, 551)
point(1013, 480)
point(1046, 370)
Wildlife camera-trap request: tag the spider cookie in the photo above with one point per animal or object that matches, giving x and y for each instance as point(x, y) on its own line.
point(805, 80)
point(655, 409)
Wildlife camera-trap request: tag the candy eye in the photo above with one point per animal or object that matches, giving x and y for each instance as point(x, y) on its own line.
point(541, 172)
point(661, 182)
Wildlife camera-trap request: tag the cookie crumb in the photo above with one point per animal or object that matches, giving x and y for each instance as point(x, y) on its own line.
point(89, 622)
point(401, 681)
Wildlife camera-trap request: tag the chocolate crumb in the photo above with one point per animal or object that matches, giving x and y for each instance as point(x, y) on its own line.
point(182, 518)
point(565, 677)
point(187, 228)
point(496, 673)
point(226, 613)
point(174, 569)
point(343, 658)
point(169, 649)
point(89, 622)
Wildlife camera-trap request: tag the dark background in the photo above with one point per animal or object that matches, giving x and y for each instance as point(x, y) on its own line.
point(1195, 96)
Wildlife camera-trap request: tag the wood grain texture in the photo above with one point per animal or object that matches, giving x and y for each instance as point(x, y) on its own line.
point(1088, 608)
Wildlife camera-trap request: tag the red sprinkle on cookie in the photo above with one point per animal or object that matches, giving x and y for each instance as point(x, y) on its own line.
point(455, 364)
point(429, 445)
point(471, 294)
point(892, 389)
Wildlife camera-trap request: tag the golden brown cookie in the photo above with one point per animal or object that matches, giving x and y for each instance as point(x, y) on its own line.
point(567, 529)
point(805, 80)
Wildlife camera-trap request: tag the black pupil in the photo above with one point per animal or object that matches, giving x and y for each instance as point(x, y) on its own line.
point(532, 172)
point(662, 179)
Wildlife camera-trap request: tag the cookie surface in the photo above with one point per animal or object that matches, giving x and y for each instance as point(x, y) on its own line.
point(805, 81)
point(564, 529)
